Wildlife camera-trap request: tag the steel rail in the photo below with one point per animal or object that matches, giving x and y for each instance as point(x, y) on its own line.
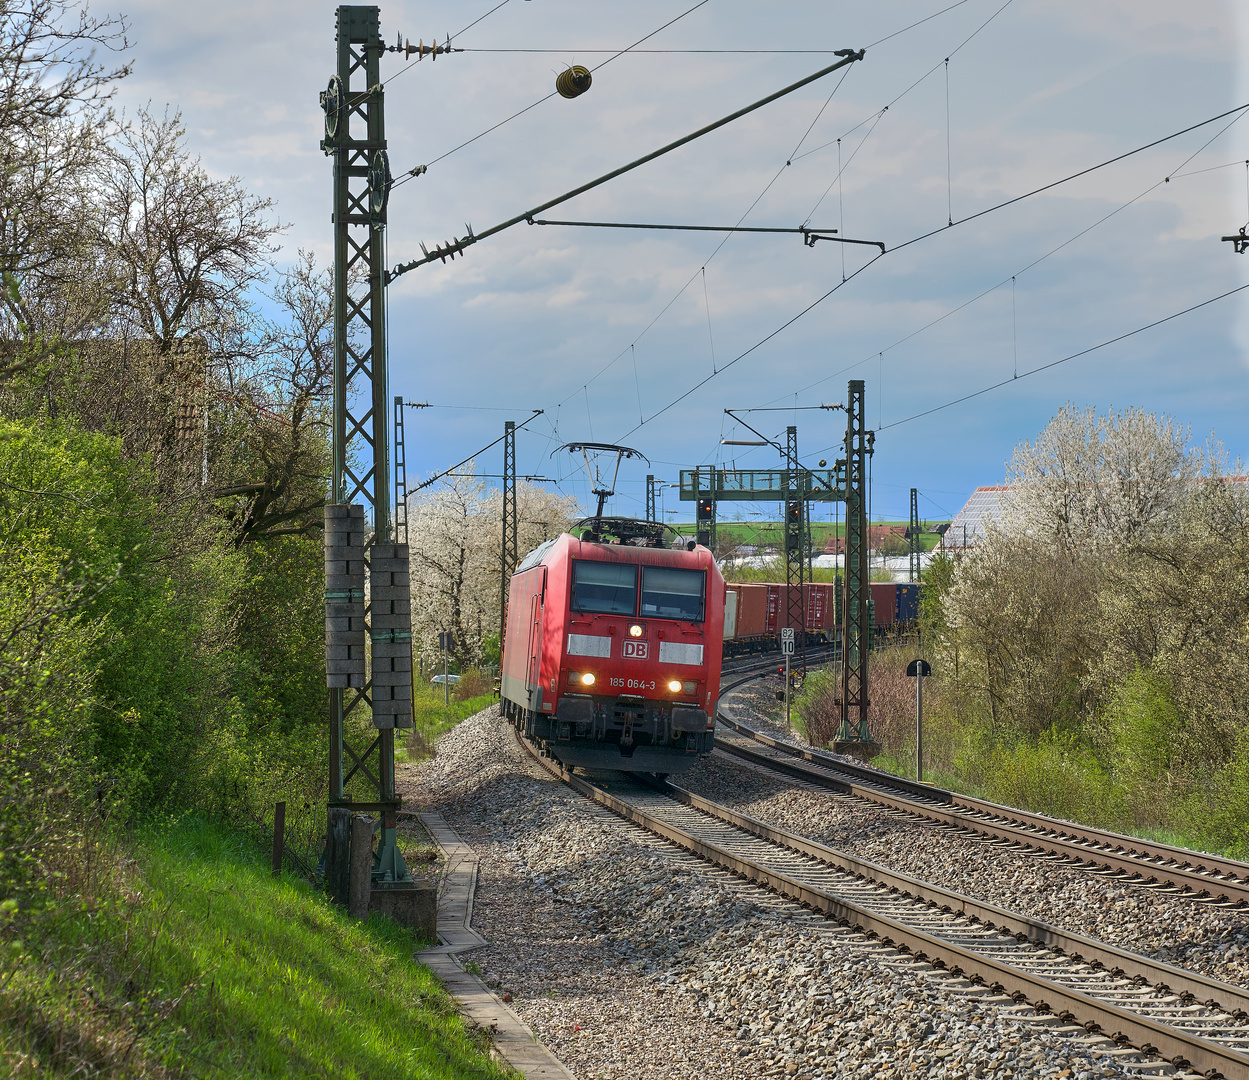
point(1110, 851)
point(1148, 1035)
point(1232, 999)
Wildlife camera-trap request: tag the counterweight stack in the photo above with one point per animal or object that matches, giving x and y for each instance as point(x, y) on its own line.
point(345, 660)
point(390, 609)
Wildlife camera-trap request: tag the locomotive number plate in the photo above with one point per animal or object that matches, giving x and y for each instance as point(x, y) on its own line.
point(635, 650)
point(634, 684)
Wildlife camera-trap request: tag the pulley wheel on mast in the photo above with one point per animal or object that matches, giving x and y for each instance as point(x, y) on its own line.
point(379, 186)
point(332, 102)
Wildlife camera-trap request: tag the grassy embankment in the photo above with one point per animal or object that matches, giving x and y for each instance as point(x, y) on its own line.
point(1057, 774)
point(191, 959)
point(433, 718)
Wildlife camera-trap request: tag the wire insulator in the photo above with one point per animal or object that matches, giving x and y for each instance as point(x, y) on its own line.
point(573, 82)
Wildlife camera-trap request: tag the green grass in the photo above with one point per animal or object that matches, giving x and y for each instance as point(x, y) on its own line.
point(1065, 787)
point(197, 962)
point(433, 718)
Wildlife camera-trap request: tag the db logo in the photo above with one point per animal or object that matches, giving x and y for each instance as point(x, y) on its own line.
point(634, 649)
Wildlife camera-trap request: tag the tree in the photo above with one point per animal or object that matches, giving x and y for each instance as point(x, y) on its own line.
point(1020, 613)
point(54, 115)
point(188, 249)
point(1176, 616)
point(273, 470)
point(1100, 481)
point(454, 536)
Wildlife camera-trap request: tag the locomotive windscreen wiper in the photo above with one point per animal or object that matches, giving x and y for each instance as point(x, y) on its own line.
point(456, 247)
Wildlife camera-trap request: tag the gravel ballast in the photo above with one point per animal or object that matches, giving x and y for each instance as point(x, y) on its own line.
point(632, 959)
point(1202, 937)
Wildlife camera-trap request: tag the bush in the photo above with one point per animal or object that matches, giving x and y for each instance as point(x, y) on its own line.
point(474, 683)
point(891, 715)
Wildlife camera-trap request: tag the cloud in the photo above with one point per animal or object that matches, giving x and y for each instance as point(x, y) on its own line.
point(527, 318)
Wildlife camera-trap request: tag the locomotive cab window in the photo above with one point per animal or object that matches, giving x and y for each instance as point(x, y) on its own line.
point(673, 594)
point(603, 587)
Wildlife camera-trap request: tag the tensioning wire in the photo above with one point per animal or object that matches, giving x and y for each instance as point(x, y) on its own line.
point(552, 94)
point(413, 63)
point(1070, 240)
point(1073, 356)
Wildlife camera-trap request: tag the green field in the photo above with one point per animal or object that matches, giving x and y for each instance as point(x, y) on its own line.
point(770, 533)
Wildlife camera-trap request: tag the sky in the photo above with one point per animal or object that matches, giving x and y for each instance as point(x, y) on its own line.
point(952, 111)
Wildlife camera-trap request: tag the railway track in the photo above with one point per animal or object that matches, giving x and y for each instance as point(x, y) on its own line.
point(1182, 1017)
point(1208, 878)
point(762, 663)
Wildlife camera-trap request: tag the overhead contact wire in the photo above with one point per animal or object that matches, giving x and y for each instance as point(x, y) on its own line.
point(1053, 251)
point(1073, 356)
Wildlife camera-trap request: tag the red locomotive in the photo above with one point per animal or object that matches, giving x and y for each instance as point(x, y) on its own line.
point(612, 652)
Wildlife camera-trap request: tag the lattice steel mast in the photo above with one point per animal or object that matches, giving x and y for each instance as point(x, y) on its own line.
point(796, 486)
point(401, 478)
point(508, 554)
point(914, 531)
point(355, 139)
point(857, 632)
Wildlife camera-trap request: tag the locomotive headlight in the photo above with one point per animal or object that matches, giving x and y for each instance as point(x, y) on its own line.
point(675, 686)
point(689, 687)
point(587, 679)
point(635, 630)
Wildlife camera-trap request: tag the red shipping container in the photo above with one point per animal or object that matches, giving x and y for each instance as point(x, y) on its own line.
point(752, 610)
point(885, 599)
point(821, 610)
point(778, 607)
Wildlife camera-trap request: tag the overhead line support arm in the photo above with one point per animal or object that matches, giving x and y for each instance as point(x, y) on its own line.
point(456, 247)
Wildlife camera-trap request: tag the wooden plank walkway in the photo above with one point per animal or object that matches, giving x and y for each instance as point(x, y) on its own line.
point(513, 1038)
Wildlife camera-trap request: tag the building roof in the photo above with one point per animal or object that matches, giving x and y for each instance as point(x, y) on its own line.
point(968, 526)
point(985, 507)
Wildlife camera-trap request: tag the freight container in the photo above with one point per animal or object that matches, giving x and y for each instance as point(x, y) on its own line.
point(885, 599)
point(821, 607)
point(730, 613)
point(752, 610)
point(908, 602)
point(778, 608)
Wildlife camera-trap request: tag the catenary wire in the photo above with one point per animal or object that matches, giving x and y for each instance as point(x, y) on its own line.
point(791, 157)
point(936, 67)
point(762, 341)
point(694, 276)
point(411, 173)
point(1073, 176)
point(1040, 259)
point(1063, 360)
point(971, 217)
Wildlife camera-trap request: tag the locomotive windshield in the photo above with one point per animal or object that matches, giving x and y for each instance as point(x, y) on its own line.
point(607, 588)
point(673, 594)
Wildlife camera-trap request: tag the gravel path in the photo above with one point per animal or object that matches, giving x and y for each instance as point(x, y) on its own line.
point(1202, 937)
point(631, 959)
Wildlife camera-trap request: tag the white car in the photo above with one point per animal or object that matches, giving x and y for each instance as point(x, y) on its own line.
point(439, 680)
